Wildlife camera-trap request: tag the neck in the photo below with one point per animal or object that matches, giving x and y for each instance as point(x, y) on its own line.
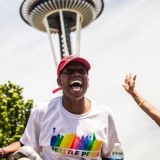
point(76, 106)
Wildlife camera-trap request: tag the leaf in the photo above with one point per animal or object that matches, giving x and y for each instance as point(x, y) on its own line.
point(14, 113)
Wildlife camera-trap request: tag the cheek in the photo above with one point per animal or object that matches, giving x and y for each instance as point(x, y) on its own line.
point(86, 80)
point(64, 82)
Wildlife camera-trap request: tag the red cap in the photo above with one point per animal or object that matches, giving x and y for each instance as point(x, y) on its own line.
point(72, 58)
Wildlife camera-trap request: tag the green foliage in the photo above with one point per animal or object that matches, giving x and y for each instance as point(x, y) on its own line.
point(14, 113)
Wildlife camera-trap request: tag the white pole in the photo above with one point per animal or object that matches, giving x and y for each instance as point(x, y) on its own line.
point(78, 28)
point(63, 34)
point(50, 40)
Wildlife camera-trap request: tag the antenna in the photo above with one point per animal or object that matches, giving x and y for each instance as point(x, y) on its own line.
point(61, 17)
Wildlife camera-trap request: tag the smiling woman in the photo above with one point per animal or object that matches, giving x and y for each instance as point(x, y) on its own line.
point(74, 80)
point(64, 127)
point(125, 38)
point(82, 70)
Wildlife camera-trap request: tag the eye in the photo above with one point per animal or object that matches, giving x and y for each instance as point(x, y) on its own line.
point(82, 71)
point(68, 71)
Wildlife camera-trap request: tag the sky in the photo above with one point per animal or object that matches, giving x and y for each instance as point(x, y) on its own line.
point(124, 39)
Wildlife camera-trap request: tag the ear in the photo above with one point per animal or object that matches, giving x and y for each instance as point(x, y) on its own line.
point(59, 82)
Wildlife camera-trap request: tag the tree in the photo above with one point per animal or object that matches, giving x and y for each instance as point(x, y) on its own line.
point(14, 113)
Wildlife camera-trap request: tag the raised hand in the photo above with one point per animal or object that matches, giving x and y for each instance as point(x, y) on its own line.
point(129, 83)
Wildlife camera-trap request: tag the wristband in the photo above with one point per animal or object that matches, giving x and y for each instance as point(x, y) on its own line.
point(3, 153)
point(141, 103)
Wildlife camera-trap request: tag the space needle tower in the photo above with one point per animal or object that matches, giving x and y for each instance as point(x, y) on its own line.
point(61, 17)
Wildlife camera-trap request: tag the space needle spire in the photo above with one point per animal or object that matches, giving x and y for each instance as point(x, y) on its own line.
point(61, 17)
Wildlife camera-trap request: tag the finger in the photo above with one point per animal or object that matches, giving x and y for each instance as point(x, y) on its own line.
point(130, 77)
point(127, 77)
point(125, 87)
point(134, 78)
point(126, 80)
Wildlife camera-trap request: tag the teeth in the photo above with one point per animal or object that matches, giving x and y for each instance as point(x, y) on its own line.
point(76, 82)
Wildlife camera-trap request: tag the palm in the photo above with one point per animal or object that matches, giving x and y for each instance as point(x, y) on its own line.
point(129, 83)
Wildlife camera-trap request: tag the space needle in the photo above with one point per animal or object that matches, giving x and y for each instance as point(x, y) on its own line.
point(61, 17)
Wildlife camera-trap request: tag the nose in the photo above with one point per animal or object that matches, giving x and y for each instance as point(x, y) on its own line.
point(76, 74)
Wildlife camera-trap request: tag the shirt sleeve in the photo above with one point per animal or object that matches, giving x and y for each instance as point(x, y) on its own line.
point(30, 136)
point(112, 137)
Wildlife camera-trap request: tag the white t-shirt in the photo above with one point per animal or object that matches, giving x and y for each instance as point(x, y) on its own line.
point(57, 134)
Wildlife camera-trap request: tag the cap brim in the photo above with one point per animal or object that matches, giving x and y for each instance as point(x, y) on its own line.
point(76, 59)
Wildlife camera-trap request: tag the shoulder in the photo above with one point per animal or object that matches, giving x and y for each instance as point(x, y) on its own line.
point(103, 111)
point(100, 107)
point(46, 106)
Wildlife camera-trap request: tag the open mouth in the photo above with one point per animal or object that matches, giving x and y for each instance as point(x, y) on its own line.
point(76, 85)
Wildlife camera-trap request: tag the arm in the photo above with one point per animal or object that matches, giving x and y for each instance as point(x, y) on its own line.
point(148, 108)
point(10, 149)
